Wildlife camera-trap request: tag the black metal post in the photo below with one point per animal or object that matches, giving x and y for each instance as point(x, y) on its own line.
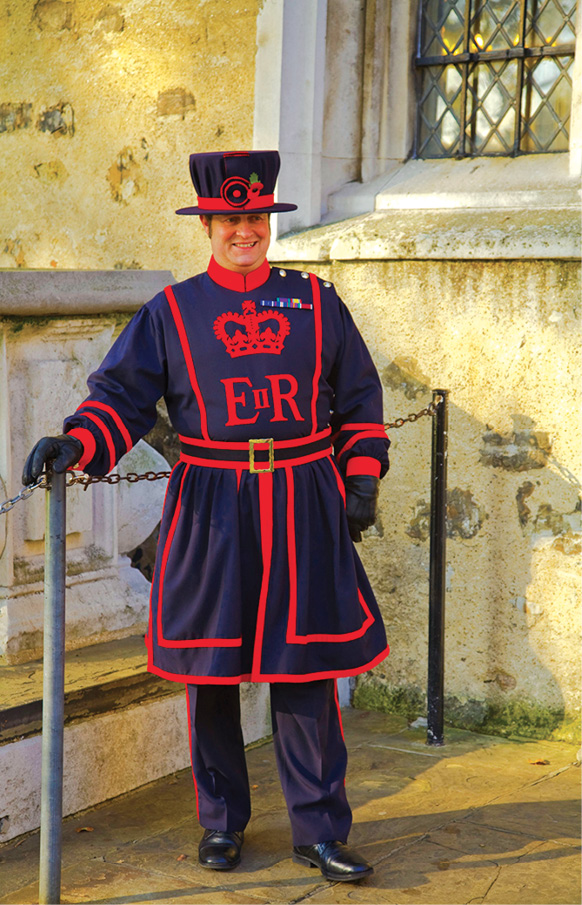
point(53, 704)
point(437, 578)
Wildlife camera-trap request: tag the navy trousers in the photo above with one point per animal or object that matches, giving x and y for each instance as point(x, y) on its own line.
point(309, 749)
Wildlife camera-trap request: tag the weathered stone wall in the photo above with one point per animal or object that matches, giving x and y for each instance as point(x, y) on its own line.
point(44, 362)
point(503, 338)
point(100, 105)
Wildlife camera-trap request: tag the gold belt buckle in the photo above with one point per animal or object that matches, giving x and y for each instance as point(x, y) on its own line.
point(270, 465)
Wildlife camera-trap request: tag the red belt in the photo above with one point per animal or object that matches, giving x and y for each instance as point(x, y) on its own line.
point(258, 455)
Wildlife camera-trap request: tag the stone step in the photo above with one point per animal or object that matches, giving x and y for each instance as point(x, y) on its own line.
point(123, 728)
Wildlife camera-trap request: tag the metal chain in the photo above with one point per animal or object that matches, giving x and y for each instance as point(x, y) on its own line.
point(23, 495)
point(430, 410)
point(132, 477)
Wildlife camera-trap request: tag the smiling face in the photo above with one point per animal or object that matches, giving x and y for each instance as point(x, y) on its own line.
point(239, 241)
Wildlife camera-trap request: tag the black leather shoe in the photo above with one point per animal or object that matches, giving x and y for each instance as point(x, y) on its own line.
point(219, 850)
point(335, 860)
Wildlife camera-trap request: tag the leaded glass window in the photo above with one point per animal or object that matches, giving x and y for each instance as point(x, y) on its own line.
point(495, 77)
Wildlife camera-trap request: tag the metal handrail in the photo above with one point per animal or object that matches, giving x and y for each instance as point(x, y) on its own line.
point(53, 701)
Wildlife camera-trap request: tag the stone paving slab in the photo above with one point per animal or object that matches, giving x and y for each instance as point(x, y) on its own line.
point(471, 822)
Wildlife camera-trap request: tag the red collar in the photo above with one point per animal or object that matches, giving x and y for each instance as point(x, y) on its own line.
point(240, 282)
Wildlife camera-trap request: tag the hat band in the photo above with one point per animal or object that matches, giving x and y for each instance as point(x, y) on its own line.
point(219, 204)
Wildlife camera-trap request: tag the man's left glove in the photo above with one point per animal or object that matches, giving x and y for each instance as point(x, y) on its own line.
point(64, 450)
point(361, 498)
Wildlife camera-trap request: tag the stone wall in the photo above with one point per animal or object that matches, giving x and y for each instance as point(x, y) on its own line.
point(100, 105)
point(45, 357)
point(503, 337)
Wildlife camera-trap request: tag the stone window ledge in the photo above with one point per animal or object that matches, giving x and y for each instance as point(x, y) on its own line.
point(484, 208)
point(40, 293)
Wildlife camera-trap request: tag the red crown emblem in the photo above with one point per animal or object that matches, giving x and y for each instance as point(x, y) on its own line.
point(253, 340)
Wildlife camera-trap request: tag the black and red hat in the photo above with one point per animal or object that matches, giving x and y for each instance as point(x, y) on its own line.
point(243, 181)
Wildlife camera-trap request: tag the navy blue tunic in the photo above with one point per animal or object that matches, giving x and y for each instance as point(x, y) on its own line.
point(256, 577)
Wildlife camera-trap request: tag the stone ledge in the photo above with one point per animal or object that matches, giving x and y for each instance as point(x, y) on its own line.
point(34, 293)
point(99, 679)
point(431, 234)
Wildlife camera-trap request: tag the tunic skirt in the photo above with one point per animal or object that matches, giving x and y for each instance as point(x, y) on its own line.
point(256, 577)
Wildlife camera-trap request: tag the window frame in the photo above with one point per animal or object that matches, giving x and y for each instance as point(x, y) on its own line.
point(466, 59)
point(290, 101)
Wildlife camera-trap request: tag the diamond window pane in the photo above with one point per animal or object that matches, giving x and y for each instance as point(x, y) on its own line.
point(545, 104)
point(513, 95)
point(550, 22)
point(495, 25)
point(443, 27)
point(491, 90)
point(440, 111)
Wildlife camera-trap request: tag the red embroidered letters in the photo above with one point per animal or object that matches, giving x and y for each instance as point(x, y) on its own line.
point(283, 389)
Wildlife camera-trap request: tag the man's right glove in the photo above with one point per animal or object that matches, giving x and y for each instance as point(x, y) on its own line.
point(361, 498)
point(64, 450)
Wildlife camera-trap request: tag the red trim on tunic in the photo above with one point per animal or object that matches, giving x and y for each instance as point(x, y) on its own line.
point(166, 642)
point(274, 677)
point(363, 435)
point(292, 556)
point(266, 522)
point(119, 423)
point(340, 484)
point(187, 352)
point(339, 713)
point(292, 636)
point(238, 282)
point(150, 630)
point(363, 465)
point(318, 348)
point(325, 637)
point(190, 739)
point(244, 444)
point(220, 463)
point(107, 435)
point(87, 440)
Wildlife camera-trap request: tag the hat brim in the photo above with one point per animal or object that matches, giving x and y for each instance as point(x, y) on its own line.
point(273, 209)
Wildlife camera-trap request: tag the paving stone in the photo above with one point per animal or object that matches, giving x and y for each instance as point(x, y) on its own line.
point(547, 874)
point(121, 884)
point(549, 809)
point(469, 822)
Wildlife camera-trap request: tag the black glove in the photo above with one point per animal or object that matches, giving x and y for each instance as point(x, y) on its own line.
point(361, 497)
point(64, 450)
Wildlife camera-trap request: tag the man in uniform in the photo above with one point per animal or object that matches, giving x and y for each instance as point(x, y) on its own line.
point(278, 408)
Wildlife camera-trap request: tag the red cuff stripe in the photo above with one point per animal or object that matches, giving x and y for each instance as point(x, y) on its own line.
point(365, 465)
point(106, 434)
point(361, 427)
point(107, 408)
point(364, 435)
point(86, 438)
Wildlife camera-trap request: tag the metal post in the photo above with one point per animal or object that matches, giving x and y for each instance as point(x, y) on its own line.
point(53, 705)
point(437, 579)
